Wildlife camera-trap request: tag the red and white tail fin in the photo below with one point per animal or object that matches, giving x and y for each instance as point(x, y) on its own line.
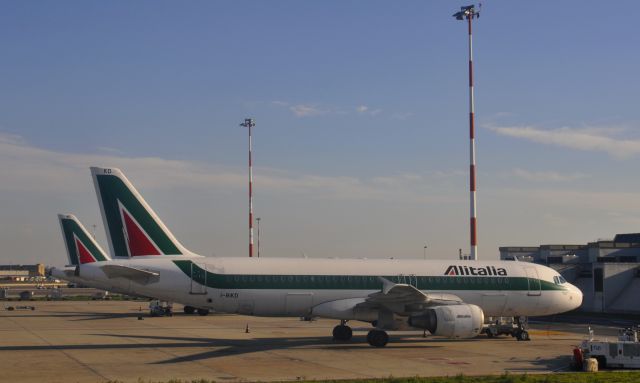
point(133, 228)
point(81, 247)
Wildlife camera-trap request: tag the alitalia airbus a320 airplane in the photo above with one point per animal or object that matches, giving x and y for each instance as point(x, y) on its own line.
point(448, 298)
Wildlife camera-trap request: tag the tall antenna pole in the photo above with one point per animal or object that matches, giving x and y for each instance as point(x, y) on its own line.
point(258, 237)
point(469, 13)
point(250, 123)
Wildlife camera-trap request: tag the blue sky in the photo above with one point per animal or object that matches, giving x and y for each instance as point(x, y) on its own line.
point(361, 143)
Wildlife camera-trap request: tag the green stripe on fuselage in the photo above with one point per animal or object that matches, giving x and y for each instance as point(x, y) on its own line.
point(355, 282)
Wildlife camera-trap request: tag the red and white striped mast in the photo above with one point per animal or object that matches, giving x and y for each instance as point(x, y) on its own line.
point(250, 123)
point(469, 13)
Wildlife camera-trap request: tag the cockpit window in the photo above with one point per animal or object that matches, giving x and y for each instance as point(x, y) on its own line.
point(559, 280)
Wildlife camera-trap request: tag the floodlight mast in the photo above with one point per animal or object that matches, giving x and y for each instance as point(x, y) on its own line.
point(250, 123)
point(469, 12)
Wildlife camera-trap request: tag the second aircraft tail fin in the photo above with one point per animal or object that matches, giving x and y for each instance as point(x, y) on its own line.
point(81, 247)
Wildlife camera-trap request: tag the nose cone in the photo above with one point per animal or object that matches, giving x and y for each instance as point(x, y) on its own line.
point(575, 297)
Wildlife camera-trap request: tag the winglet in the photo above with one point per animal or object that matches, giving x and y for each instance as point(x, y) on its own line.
point(387, 285)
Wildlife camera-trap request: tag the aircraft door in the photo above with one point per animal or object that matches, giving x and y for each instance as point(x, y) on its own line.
point(533, 281)
point(198, 279)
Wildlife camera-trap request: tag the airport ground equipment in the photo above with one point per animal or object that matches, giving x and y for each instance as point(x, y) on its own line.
point(515, 327)
point(26, 295)
point(623, 352)
point(159, 308)
point(12, 308)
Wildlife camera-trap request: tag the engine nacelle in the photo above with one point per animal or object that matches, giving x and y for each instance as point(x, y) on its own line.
point(451, 321)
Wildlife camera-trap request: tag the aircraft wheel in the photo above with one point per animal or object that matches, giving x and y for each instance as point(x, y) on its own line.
point(189, 309)
point(377, 338)
point(203, 312)
point(523, 335)
point(342, 332)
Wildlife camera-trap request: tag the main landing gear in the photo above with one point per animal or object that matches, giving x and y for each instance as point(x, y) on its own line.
point(342, 332)
point(189, 310)
point(377, 338)
point(193, 310)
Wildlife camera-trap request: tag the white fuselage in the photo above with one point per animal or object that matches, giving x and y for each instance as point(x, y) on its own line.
point(292, 287)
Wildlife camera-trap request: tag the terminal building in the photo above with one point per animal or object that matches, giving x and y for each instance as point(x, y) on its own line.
point(607, 271)
point(20, 272)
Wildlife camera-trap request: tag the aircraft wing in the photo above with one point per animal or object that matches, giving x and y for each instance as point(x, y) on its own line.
point(402, 298)
point(137, 275)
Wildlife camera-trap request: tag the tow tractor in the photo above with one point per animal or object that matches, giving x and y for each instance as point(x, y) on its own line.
point(159, 308)
point(516, 327)
point(621, 353)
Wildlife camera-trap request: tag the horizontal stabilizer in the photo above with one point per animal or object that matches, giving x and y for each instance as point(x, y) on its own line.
point(137, 275)
point(69, 272)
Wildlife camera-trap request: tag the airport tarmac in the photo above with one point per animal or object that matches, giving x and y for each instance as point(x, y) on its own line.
point(94, 341)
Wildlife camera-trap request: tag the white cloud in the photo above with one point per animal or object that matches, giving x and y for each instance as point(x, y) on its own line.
point(30, 169)
point(363, 109)
point(302, 110)
point(109, 150)
point(548, 176)
point(310, 110)
point(588, 139)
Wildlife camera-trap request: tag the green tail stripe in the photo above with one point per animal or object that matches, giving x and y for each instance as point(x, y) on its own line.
point(354, 282)
point(113, 189)
point(71, 227)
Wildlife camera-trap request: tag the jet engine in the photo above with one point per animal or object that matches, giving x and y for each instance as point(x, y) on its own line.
point(452, 321)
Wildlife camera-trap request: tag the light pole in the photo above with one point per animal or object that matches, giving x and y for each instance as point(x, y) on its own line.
point(469, 12)
point(425, 251)
point(250, 123)
point(258, 237)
